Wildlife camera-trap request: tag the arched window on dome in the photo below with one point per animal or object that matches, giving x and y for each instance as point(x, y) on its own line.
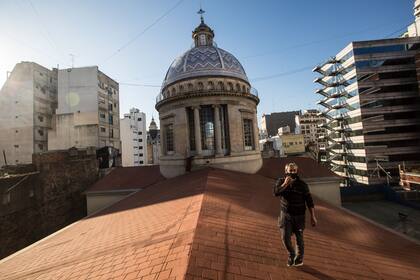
point(230, 86)
point(173, 91)
point(181, 88)
point(238, 88)
point(220, 85)
point(247, 90)
point(190, 87)
point(243, 89)
point(200, 86)
point(210, 85)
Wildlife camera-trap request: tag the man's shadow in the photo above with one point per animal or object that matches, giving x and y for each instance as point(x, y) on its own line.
point(314, 272)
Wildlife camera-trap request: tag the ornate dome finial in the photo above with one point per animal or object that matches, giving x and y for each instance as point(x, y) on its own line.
point(201, 12)
point(202, 34)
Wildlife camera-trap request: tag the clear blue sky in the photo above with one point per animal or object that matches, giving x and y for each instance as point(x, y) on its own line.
point(268, 37)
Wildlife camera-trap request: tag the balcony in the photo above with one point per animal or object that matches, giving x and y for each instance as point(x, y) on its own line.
point(162, 97)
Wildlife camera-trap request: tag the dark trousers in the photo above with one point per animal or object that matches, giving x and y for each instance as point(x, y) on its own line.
point(292, 225)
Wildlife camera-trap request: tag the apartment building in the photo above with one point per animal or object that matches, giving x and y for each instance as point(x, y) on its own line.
point(28, 100)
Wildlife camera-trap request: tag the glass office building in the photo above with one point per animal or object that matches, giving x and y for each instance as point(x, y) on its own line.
point(370, 95)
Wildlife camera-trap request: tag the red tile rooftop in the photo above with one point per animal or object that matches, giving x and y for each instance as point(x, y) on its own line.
point(308, 168)
point(212, 224)
point(123, 178)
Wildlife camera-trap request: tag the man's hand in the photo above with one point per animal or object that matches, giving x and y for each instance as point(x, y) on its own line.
point(287, 181)
point(313, 220)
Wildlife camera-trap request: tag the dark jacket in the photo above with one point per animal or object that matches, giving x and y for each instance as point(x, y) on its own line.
point(295, 198)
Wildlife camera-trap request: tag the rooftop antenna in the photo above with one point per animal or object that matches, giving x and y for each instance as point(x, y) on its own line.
point(201, 12)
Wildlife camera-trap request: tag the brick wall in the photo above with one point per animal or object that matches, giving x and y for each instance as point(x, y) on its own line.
point(45, 198)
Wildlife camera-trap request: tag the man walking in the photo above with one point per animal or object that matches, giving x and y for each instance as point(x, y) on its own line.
point(294, 198)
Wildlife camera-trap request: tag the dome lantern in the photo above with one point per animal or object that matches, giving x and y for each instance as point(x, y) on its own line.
point(203, 35)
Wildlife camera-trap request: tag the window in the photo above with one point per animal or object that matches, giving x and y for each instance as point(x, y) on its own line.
point(141, 162)
point(140, 155)
point(220, 85)
point(139, 119)
point(41, 146)
point(169, 138)
point(248, 135)
point(40, 132)
point(41, 118)
point(140, 140)
point(141, 147)
point(111, 119)
point(230, 86)
point(207, 127)
point(202, 40)
point(102, 115)
point(140, 132)
point(191, 127)
point(210, 86)
point(224, 120)
point(103, 129)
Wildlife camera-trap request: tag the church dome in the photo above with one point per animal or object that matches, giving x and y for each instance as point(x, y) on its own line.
point(204, 59)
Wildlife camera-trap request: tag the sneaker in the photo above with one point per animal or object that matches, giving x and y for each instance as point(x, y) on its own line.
point(298, 261)
point(291, 261)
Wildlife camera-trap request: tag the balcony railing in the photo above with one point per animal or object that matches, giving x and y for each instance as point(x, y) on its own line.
point(162, 96)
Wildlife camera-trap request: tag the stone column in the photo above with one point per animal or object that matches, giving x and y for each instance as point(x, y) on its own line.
point(218, 129)
point(197, 132)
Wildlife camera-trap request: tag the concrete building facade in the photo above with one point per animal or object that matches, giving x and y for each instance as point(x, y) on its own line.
point(413, 29)
point(370, 92)
point(28, 100)
point(270, 123)
point(134, 138)
point(88, 110)
point(207, 111)
point(308, 123)
point(293, 144)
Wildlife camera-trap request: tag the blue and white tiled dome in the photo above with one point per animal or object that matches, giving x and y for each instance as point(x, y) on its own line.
point(205, 59)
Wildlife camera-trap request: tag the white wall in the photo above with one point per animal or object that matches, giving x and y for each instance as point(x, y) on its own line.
point(326, 188)
point(78, 90)
point(134, 136)
point(67, 132)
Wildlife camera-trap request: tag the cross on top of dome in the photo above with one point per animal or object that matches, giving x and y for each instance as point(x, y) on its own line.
point(201, 12)
point(202, 34)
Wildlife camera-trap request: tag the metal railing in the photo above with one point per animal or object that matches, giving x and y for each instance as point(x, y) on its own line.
point(162, 96)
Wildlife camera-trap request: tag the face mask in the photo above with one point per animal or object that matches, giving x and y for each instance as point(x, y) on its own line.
point(292, 175)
